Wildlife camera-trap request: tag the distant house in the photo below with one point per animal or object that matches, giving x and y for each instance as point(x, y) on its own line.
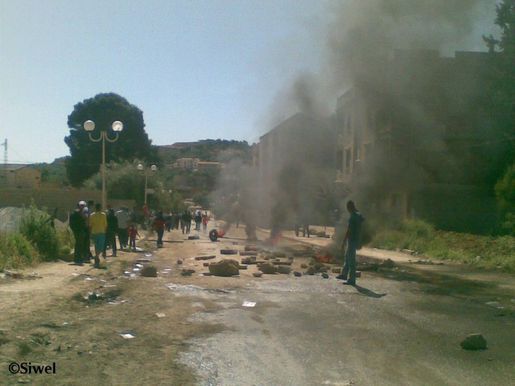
point(19, 176)
point(186, 163)
point(196, 164)
point(209, 165)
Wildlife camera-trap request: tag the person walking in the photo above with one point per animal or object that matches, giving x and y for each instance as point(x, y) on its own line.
point(133, 233)
point(123, 224)
point(98, 228)
point(112, 228)
point(352, 237)
point(86, 209)
point(159, 226)
point(78, 226)
point(186, 221)
point(198, 219)
point(205, 220)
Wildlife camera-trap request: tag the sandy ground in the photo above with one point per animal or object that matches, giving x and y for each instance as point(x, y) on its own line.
point(398, 327)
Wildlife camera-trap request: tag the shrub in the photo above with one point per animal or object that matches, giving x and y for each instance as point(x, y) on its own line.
point(16, 251)
point(37, 227)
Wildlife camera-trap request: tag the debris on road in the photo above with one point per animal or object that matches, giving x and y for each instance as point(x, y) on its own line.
point(198, 258)
point(127, 336)
point(257, 274)
point(267, 268)
point(225, 268)
point(325, 275)
point(284, 269)
point(187, 272)
point(160, 315)
point(228, 251)
point(194, 237)
point(246, 303)
point(249, 260)
point(179, 262)
point(474, 342)
point(248, 253)
point(297, 274)
point(149, 271)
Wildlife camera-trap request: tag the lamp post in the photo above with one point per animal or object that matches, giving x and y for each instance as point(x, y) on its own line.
point(116, 126)
point(153, 168)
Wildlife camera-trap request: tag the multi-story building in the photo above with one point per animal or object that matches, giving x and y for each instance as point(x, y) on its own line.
point(292, 161)
point(409, 144)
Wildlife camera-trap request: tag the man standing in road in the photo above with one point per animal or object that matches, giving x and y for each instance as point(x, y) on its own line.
point(98, 227)
point(352, 237)
point(80, 233)
point(123, 225)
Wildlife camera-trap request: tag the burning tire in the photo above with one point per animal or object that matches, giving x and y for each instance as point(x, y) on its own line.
point(213, 235)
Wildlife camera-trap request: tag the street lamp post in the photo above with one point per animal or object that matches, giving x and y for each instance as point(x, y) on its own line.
point(117, 126)
point(153, 168)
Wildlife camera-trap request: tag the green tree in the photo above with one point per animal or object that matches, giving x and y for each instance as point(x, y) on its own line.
point(501, 90)
point(104, 109)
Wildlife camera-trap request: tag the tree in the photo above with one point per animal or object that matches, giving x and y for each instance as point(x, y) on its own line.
point(103, 109)
point(501, 92)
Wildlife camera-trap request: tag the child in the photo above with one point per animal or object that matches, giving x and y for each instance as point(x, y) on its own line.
point(133, 233)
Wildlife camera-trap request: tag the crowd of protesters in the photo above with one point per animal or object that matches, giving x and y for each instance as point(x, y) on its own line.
point(101, 228)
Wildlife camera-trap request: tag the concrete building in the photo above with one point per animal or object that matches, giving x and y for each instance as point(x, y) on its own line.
point(292, 161)
point(407, 144)
point(196, 164)
point(19, 176)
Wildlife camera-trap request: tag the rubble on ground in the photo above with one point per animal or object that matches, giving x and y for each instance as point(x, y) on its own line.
point(149, 271)
point(228, 251)
point(267, 268)
point(225, 268)
point(187, 272)
point(205, 257)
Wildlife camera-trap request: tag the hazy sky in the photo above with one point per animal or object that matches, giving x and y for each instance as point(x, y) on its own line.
point(197, 69)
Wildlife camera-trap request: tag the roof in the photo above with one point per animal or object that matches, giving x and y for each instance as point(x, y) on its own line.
point(12, 167)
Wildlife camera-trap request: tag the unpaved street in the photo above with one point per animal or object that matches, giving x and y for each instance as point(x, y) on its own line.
point(398, 327)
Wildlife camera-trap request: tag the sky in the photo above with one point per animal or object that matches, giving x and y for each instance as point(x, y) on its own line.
point(197, 69)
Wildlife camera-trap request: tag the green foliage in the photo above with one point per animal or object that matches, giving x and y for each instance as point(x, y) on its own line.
point(208, 150)
point(505, 195)
point(104, 109)
point(16, 251)
point(36, 226)
point(481, 251)
point(53, 173)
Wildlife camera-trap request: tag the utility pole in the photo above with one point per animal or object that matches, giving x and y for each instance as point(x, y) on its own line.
point(4, 144)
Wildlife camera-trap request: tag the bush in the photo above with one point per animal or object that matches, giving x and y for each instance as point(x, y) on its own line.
point(37, 227)
point(481, 251)
point(16, 251)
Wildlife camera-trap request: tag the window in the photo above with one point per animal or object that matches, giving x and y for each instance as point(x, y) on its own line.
point(347, 160)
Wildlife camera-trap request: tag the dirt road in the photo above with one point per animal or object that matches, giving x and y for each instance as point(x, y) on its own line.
point(398, 326)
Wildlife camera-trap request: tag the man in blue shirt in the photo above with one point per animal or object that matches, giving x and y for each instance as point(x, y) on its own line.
point(352, 237)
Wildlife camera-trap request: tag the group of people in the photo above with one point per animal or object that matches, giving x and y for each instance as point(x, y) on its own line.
point(101, 228)
point(183, 220)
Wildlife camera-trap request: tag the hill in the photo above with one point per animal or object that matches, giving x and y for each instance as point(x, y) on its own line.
point(206, 150)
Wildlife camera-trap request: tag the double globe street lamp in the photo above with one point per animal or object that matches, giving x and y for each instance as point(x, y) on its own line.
point(116, 126)
point(153, 168)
